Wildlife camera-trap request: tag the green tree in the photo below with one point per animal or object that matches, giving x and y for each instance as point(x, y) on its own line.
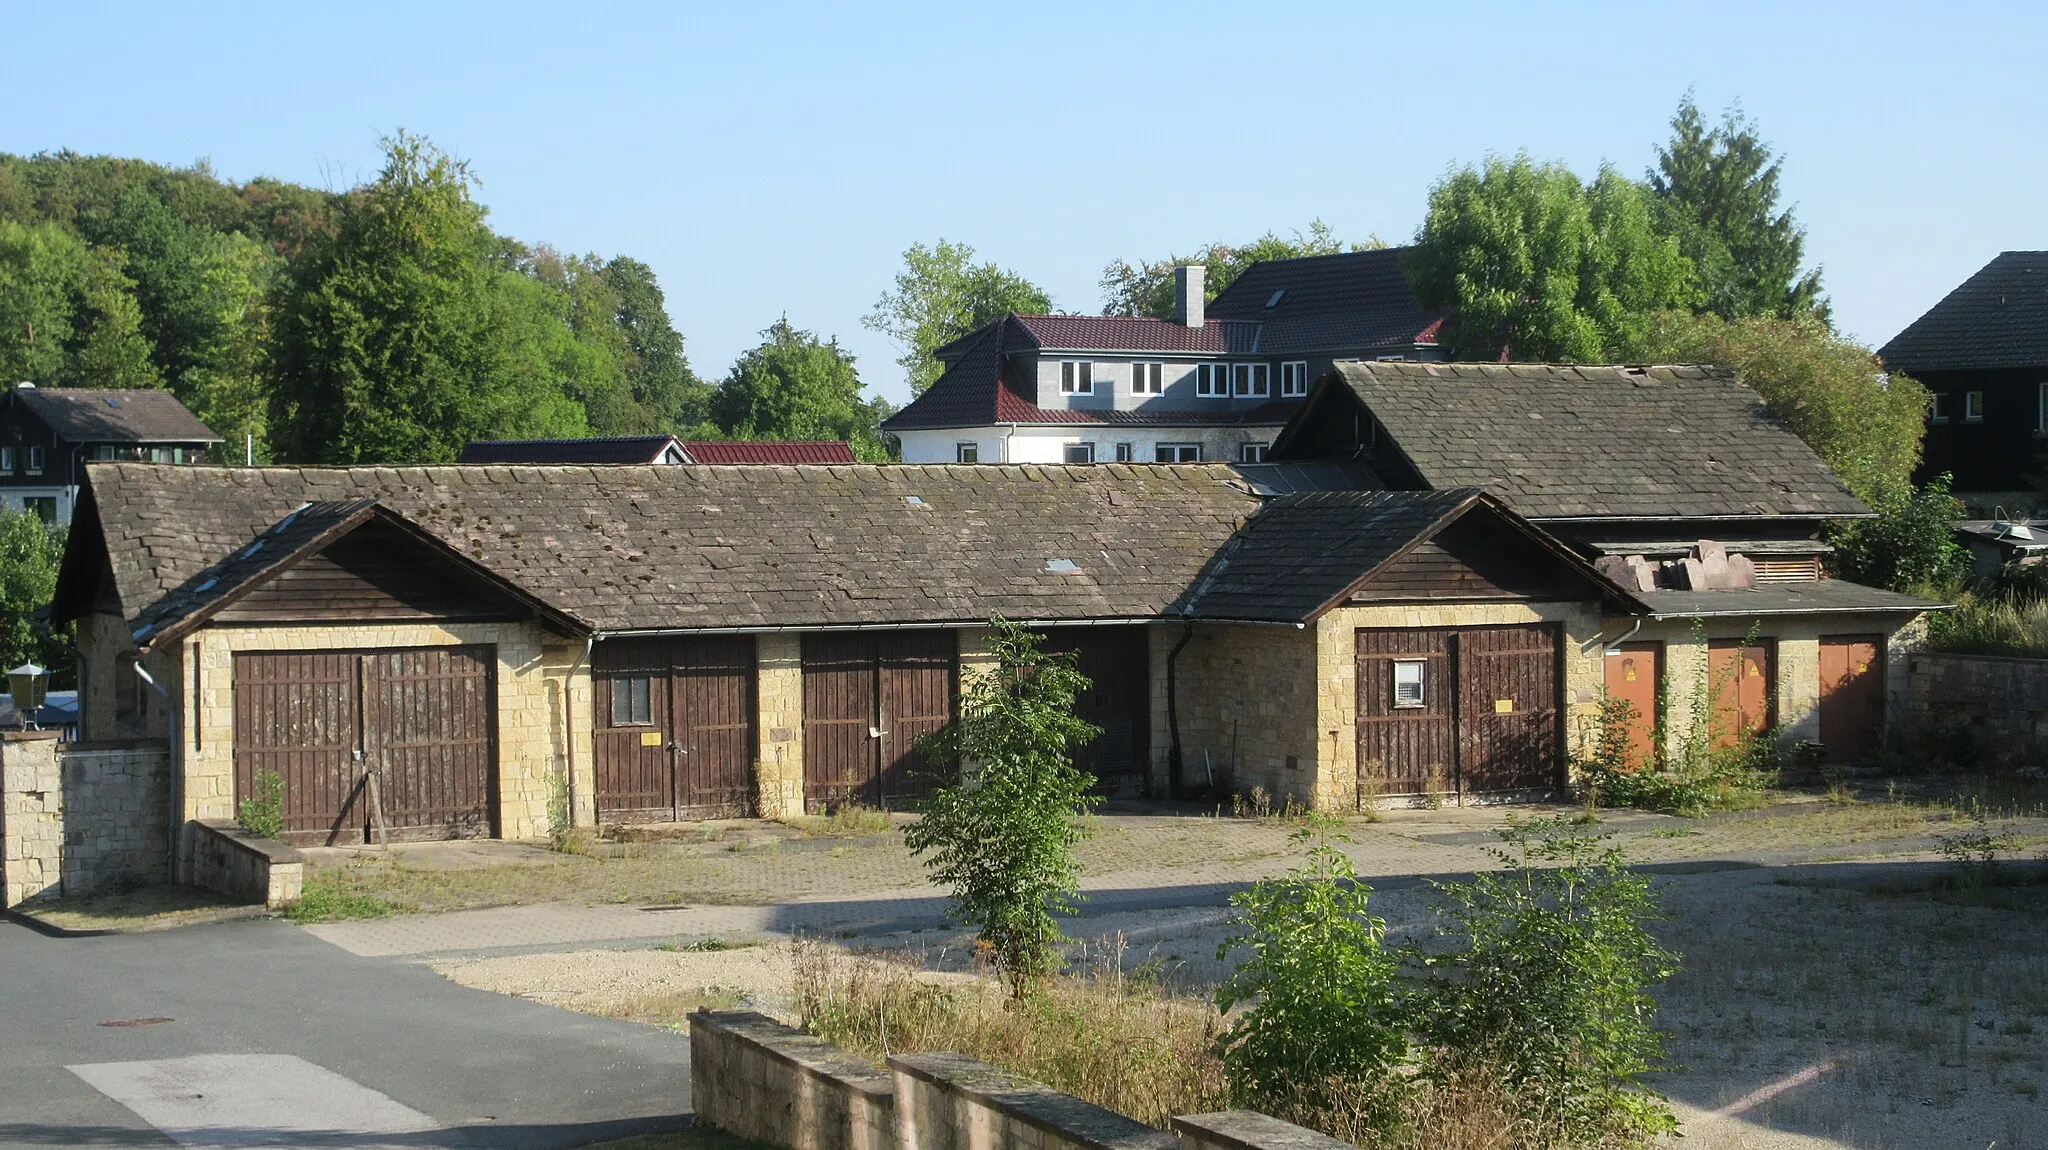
point(30, 553)
point(656, 370)
point(226, 382)
point(796, 386)
point(1910, 546)
point(1003, 836)
point(1146, 288)
point(1719, 189)
point(1530, 259)
point(942, 294)
point(109, 348)
point(42, 270)
point(405, 332)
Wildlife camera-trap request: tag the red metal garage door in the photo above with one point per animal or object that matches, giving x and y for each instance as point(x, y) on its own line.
point(675, 727)
point(1634, 674)
point(1739, 680)
point(867, 698)
point(421, 722)
point(1851, 695)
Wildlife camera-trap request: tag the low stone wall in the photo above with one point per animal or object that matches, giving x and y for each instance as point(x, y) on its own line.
point(756, 1078)
point(1248, 1130)
point(951, 1102)
point(1997, 706)
point(82, 818)
point(227, 859)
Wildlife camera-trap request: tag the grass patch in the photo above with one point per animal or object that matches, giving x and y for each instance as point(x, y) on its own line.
point(709, 944)
point(329, 898)
point(144, 908)
point(848, 820)
point(673, 1007)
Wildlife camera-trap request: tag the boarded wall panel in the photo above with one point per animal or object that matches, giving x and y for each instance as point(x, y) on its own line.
point(1509, 734)
point(1405, 750)
point(840, 720)
point(916, 671)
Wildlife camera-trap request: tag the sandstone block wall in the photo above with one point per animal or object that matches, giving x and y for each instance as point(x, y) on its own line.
point(80, 820)
point(1998, 706)
point(758, 1079)
point(951, 1102)
point(233, 862)
point(779, 721)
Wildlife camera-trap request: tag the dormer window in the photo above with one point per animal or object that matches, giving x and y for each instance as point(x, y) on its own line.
point(1252, 379)
point(1077, 377)
point(1212, 381)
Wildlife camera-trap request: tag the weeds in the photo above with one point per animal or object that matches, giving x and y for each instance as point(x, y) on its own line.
point(847, 820)
point(262, 813)
point(1974, 857)
point(327, 898)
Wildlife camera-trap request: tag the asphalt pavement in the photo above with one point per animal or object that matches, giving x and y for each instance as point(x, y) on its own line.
point(257, 1033)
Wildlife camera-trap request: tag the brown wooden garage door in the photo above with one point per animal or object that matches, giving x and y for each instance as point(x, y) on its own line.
point(675, 727)
point(868, 697)
point(1458, 709)
point(421, 722)
point(1117, 662)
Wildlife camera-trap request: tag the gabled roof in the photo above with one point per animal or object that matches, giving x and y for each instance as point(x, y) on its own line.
point(1996, 318)
point(1131, 334)
point(1304, 554)
point(1570, 442)
point(592, 449)
point(681, 547)
point(94, 415)
point(283, 545)
point(769, 451)
point(1346, 301)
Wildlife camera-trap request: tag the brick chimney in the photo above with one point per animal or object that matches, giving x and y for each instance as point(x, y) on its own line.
point(1187, 287)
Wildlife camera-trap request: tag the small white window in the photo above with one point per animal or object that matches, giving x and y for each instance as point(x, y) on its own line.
point(1251, 452)
point(1147, 378)
point(1177, 453)
point(1124, 453)
point(967, 453)
point(35, 461)
point(1294, 378)
point(1973, 407)
point(1077, 377)
point(1408, 682)
point(1938, 413)
point(1079, 453)
point(1212, 380)
point(6, 461)
point(1251, 379)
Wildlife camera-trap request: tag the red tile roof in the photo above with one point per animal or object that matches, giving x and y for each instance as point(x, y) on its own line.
point(785, 451)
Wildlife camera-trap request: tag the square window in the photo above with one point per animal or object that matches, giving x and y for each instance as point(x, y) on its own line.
point(1408, 683)
point(1077, 377)
point(1251, 452)
point(1148, 378)
point(1973, 407)
point(1124, 453)
point(1251, 379)
point(1078, 453)
point(632, 702)
point(1294, 379)
point(1938, 413)
point(1212, 380)
point(1177, 453)
point(967, 453)
point(35, 461)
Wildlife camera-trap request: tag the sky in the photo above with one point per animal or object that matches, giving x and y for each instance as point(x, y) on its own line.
point(771, 159)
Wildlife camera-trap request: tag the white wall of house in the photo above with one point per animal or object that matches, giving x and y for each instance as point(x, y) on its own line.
point(1047, 443)
point(20, 499)
point(1179, 387)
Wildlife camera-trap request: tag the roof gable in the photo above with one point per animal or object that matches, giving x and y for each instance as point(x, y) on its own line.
point(113, 415)
point(1572, 442)
point(1998, 318)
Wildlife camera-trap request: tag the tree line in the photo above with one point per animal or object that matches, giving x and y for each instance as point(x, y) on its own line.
point(384, 323)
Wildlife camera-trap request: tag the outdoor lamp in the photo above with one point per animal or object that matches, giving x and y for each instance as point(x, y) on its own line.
point(28, 683)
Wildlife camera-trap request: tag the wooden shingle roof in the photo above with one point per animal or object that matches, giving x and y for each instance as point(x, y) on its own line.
point(661, 547)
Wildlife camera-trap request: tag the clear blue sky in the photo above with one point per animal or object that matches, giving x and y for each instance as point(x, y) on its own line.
point(768, 158)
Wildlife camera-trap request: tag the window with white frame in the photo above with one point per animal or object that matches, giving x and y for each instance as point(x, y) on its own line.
point(968, 452)
point(1148, 378)
point(1251, 379)
point(1973, 407)
point(1078, 453)
point(6, 461)
point(1212, 380)
point(1408, 683)
point(1077, 377)
point(1294, 378)
point(1124, 453)
point(35, 461)
point(1251, 452)
point(1177, 453)
point(1938, 412)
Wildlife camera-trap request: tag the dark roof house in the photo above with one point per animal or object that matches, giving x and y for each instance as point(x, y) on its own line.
point(48, 433)
point(667, 449)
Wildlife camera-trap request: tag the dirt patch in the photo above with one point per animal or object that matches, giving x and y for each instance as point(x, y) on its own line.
point(149, 908)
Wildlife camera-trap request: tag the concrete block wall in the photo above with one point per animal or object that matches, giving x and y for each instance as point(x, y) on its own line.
point(76, 821)
point(951, 1102)
point(1247, 701)
point(1999, 704)
point(760, 1080)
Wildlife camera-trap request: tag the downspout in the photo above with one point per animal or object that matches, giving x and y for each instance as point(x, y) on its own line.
point(177, 768)
point(1614, 648)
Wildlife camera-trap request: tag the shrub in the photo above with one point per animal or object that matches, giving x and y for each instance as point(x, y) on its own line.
point(1003, 836)
point(1545, 984)
point(1326, 1004)
point(262, 813)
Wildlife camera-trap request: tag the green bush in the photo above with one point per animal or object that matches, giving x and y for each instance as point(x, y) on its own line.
point(1325, 992)
point(1991, 625)
point(262, 813)
point(1546, 983)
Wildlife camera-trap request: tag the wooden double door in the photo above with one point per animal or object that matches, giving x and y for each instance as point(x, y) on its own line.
point(1461, 709)
point(868, 697)
point(674, 728)
point(402, 742)
point(1118, 663)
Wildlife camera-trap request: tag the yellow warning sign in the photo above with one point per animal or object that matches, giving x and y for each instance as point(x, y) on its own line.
point(1503, 706)
point(650, 738)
